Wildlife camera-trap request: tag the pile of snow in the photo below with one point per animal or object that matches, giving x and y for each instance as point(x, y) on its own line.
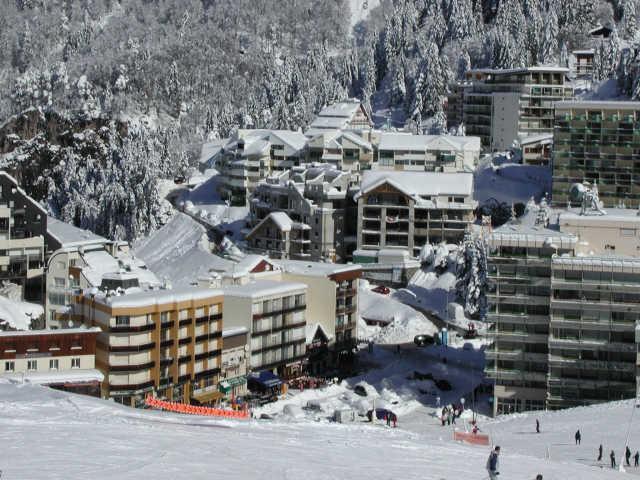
point(16, 314)
point(404, 322)
point(179, 251)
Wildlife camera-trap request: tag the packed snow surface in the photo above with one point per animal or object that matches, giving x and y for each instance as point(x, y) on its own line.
point(101, 440)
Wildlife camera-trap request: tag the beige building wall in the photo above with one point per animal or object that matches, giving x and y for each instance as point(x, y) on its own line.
point(611, 233)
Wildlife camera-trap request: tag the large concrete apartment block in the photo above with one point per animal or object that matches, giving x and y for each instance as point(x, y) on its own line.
point(598, 143)
point(500, 105)
point(595, 304)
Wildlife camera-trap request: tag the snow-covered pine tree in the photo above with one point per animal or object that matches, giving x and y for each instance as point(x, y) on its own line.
point(471, 273)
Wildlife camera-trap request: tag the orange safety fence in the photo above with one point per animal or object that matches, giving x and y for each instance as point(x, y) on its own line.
point(473, 438)
point(194, 410)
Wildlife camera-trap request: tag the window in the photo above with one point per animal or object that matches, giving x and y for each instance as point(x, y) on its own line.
point(628, 232)
point(9, 366)
point(53, 364)
point(75, 362)
point(59, 282)
point(32, 365)
point(122, 320)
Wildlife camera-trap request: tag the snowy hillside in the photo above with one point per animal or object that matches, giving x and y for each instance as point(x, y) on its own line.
point(102, 440)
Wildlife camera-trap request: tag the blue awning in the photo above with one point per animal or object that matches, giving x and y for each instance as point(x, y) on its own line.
point(266, 379)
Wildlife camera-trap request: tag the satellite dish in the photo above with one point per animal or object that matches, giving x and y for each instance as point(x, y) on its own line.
point(576, 192)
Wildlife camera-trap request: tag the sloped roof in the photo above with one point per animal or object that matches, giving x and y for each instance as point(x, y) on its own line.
point(68, 235)
point(419, 183)
point(404, 141)
point(296, 140)
point(340, 109)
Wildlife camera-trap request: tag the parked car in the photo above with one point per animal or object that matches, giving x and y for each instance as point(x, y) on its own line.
point(381, 289)
point(423, 340)
point(360, 390)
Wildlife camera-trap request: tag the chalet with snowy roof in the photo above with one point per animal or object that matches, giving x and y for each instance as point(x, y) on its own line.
point(405, 210)
point(347, 115)
point(431, 153)
point(318, 197)
point(279, 236)
point(255, 154)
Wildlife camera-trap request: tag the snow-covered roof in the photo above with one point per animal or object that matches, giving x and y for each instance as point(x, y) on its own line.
point(295, 140)
point(588, 51)
point(319, 269)
point(68, 235)
point(614, 216)
point(23, 193)
point(341, 109)
point(59, 331)
point(255, 147)
point(157, 297)
point(508, 71)
point(543, 138)
point(418, 183)
point(18, 314)
point(264, 288)
point(329, 122)
point(312, 328)
point(357, 139)
point(55, 376)
point(210, 149)
point(602, 104)
point(233, 331)
point(280, 219)
point(247, 264)
point(405, 141)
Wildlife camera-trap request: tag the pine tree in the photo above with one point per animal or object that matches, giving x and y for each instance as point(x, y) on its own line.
point(549, 43)
point(630, 18)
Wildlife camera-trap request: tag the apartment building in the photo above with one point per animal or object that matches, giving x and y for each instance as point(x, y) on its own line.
point(598, 143)
point(23, 225)
point(428, 153)
point(405, 210)
point(162, 341)
point(455, 104)
point(536, 149)
point(347, 115)
point(274, 313)
point(235, 362)
point(332, 308)
point(253, 155)
point(344, 149)
point(563, 309)
point(315, 216)
point(582, 63)
point(593, 353)
point(500, 105)
point(519, 264)
point(65, 246)
point(64, 360)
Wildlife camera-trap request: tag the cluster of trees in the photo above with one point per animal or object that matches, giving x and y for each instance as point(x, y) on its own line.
point(197, 69)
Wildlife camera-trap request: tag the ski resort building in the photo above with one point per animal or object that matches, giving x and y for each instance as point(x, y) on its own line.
point(405, 210)
point(599, 143)
point(344, 149)
point(235, 362)
point(274, 314)
point(304, 213)
point(562, 309)
point(166, 341)
point(253, 155)
point(428, 153)
point(347, 115)
point(500, 105)
point(23, 226)
point(60, 359)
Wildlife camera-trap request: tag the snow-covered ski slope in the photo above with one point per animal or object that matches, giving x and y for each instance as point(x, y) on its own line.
point(46, 434)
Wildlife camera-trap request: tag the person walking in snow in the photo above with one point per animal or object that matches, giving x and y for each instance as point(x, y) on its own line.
point(493, 464)
point(636, 459)
point(537, 426)
point(449, 417)
point(539, 476)
point(612, 456)
point(600, 453)
point(627, 456)
point(578, 437)
point(394, 419)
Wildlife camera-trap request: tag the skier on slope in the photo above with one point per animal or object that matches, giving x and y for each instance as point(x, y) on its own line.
point(537, 426)
point(600, 453)
point(627, 456)
point(493, 464)
point(636, 459)
point(612, 456)
point(578, 437)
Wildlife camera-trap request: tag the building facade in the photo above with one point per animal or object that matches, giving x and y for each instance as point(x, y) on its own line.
point(274, 313)
point(500, 105)
point(23, 226)
point(405, 210)
point(235, 362)
point(64, 360)
point(163, 341)
point(598, 143)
